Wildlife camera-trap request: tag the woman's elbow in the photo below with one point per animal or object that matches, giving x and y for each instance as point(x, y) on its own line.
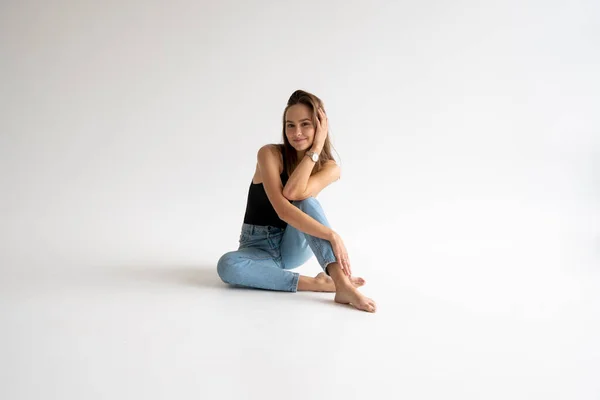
point(290, 194)
point(295, 196)
point(288, 191)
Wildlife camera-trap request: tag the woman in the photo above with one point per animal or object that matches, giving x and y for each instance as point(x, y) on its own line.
point(284, 224)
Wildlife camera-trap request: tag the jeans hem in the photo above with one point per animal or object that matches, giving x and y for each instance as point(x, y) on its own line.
point(295, 280)
point(325, 264)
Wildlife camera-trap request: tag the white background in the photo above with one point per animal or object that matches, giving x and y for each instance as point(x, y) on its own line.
point(468, 134)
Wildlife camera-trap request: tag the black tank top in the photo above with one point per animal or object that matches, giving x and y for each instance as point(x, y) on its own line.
point(259, 210)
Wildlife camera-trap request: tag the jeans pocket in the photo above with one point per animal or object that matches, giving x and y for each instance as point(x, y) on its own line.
point(244, 237)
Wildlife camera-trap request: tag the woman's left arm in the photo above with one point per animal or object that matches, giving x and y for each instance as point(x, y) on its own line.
point(301, 185)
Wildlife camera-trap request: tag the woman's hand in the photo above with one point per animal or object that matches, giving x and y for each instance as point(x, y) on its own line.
point(322, 128)
point(341, 254)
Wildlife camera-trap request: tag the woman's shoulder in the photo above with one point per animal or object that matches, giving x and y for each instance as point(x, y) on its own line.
point(276, 150)
point(272, 147)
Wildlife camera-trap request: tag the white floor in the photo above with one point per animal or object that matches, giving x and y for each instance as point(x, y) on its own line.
point(510, 316)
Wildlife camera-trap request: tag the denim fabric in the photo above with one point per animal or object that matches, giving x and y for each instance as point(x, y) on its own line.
point(267, 253)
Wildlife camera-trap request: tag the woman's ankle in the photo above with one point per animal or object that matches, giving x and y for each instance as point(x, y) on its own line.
point(339, 277)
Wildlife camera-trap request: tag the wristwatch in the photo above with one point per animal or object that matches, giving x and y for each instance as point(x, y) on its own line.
point(313, 156)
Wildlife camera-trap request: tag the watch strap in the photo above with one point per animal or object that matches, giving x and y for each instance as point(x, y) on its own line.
point(310, 154)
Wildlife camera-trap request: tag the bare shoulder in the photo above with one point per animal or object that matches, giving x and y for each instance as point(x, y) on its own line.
point(271, 152)
point(268, 155)
point(269, 149)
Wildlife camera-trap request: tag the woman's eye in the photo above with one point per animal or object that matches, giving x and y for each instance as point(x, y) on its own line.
point(290, 126)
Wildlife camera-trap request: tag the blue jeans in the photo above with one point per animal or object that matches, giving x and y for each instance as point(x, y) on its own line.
point(267, 253)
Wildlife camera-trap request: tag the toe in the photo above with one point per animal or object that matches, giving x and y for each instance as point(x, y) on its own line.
point(367, 307)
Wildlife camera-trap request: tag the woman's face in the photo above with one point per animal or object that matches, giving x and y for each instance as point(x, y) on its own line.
point(299, 127)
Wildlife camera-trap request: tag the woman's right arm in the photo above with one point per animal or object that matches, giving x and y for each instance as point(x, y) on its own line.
point(268, 163)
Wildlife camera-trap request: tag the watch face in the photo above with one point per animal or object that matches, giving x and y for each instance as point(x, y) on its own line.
point(315, 157)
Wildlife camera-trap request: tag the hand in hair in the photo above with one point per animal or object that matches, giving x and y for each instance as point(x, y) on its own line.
point(322, 128)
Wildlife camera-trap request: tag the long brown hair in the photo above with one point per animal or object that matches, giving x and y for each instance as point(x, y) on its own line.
point(290, 156)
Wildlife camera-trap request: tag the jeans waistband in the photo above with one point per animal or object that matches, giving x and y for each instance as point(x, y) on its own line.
point(258, 229)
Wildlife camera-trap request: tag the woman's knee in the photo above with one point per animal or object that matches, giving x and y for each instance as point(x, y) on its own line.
point(310, 203)
point(312, 207)
point(226, 267)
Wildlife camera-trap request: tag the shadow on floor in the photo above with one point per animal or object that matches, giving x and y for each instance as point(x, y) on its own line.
point(191, 275)
point(202, 276)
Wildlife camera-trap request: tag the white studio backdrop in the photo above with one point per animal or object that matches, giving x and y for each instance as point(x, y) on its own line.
point(130, 130)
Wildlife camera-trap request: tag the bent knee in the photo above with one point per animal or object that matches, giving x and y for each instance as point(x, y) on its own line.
point(226, 267)
point(309, 202)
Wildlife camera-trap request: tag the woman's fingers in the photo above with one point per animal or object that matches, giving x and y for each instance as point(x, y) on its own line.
point(340, 261)
point(346, 261)
point(323, 117)
point(341, 256)
point(345, 265)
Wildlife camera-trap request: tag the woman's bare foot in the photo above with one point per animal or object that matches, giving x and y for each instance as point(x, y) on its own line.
point(326, 284)
point(350, 295)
